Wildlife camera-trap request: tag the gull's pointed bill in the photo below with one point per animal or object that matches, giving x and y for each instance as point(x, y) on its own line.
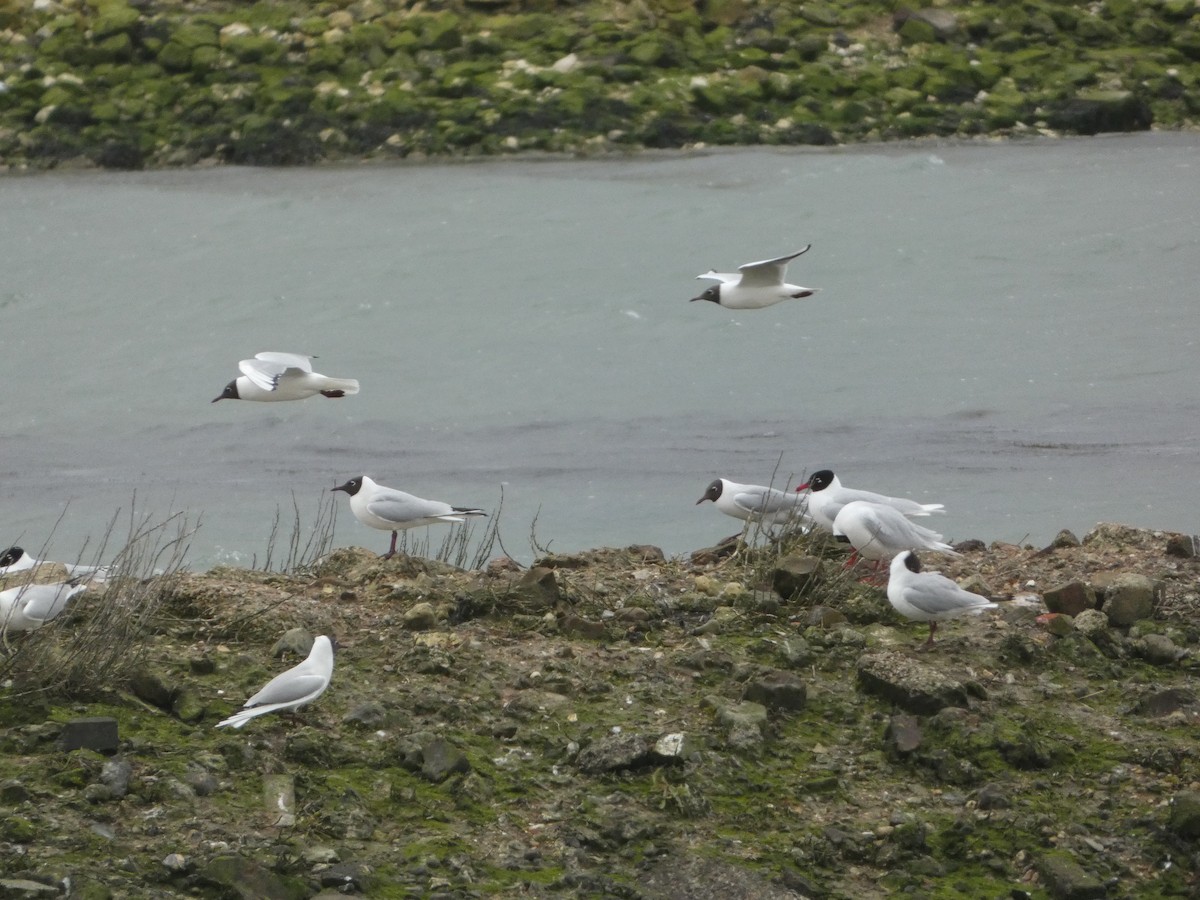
point(391, 510)
point(827, 496)
point(299, 685)
point(271, 376)
point(929, 596)
point(16, 559)
point(756, 503)
point(30, 606)
point(755, 285)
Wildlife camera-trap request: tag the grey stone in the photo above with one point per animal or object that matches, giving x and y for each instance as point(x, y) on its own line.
point(24, 887)
point(151, 687)
point(795, 574)
point(1158, 650)
point(1093, 624)
point(1184, 546)
point(419, 617)
point(992, 796)
point(744, 723)
point(115, 773)
point(903, 734)
point(1184, 817)
point(1163, 703)
point(778, 691)
point(279, 799)
point(1071, 598)
point(202, 781)
point(631, 750)
point(1065, 538)
point(355, 876)
point(1065, 879)
point(371, 714)
point(247, 880)
point(97, 733)
point(440, 759)
point(912, 686)
point(13, 792)
point(295, 640)
point(1131, 597)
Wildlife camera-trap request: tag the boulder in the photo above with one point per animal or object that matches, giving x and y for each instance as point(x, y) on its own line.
point(1071, 598)
point(1094, 112)
point(97, 733)
point(912, 686)
point(778, 691)
point(795, 574)
point(1131, 597)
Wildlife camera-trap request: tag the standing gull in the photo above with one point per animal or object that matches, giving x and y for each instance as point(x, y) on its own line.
point(755, 503)
point(283, 376)
point(827, 496)
point(301, 684)
point(755, 284)
point(929, 596)
point(391, 510)
point(879, 532)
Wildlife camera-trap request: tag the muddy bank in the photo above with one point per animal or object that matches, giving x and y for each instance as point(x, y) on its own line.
point(614, 723)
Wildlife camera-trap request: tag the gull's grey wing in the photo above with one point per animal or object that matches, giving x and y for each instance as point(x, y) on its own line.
point(767, 272)
point(399, 507)
point(767, 501)
point(892, 529)
point(936, 595)
point(289, 687)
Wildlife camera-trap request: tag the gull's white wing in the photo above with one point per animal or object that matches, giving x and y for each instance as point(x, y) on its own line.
point(767, 272)
point(938, 597)
point(266, 369)
point(287, 360)
point(724, 277)
point(42, 602)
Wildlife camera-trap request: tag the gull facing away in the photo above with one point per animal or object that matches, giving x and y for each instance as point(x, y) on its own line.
point(755, 284)
point(827, 496)
point(283, 376)
point(30, 606)
point(16, 559)
point(301, 684)
point(390, 510)
point(929, 596)
point(879, 532)
point(755, 503)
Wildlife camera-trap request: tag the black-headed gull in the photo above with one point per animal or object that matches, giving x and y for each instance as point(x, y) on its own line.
point(827, 496)
point(30, 606)
point(301, 684)
point(283, 376)
point(755, 284)
point(755, 503)
point(390, 510)
point(929, 596)
point(879, 532)
point(15, 559)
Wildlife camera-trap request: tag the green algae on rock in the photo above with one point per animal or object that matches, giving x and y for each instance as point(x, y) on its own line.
point(127, 85)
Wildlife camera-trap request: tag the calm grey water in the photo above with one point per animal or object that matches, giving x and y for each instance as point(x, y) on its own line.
point(1009, 329)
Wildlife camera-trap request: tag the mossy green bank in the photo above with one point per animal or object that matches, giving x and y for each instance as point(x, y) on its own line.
point(134, 83)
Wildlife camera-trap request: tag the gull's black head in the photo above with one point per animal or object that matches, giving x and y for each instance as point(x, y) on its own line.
point(820, 480)
point(230, 392)
point(351, 487)
point(911, 562)
point(713, 492)
point(11, 556)
point(713, 294)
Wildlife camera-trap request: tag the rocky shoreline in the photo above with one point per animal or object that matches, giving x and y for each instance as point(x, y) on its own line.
point(749, 722)
point(128, 84)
